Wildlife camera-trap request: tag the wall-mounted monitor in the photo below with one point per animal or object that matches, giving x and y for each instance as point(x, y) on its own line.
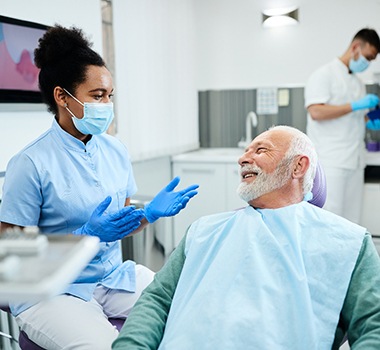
point(18, 74)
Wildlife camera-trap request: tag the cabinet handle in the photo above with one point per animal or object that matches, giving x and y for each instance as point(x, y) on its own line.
point(199, 171)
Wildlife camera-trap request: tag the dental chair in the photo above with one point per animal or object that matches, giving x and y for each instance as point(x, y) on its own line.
point(319, 188)
point(26, 344)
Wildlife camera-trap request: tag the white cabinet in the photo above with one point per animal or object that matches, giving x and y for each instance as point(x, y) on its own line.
point(218, 179)
point(370, 217)
point(376, 240)
point(210, 198)
point(233, 201)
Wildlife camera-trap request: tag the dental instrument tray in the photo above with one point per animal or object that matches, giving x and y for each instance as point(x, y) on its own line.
point(36, 277)
point(22, 242)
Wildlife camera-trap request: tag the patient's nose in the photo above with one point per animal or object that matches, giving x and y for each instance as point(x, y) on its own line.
point(245, 159)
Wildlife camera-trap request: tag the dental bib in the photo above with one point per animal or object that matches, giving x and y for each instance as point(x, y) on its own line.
point(263, 279)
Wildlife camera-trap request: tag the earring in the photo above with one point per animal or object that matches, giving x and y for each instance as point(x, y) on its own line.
point(65, 105)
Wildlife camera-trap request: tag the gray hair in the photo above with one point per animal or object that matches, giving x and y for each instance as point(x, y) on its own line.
point(301, 145)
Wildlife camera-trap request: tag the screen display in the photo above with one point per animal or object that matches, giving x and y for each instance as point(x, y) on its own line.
point(18, 74)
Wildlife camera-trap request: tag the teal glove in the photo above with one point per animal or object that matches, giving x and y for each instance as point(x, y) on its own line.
point(373, 124)
point(167, 202)
point(368, 101)
point(111, 227)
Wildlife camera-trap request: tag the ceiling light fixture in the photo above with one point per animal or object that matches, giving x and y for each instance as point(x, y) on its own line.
point(280, 17)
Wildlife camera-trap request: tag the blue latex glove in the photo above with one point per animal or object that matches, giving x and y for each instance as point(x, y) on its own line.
point(373, 124)
point(114, 226)
point(167, 202)
point(368, 101)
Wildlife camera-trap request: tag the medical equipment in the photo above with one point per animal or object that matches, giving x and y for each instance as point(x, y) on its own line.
point(374, 114)
point(22, 242)
point(40, 273)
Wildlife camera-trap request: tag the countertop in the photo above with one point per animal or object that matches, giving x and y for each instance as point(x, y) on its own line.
point(231, 155)
point(372, 158)
point(210, 155)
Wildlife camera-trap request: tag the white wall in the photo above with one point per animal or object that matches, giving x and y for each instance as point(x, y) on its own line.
point(21, 124)
point(168, 49)
point(235, 51)
point(157, 102)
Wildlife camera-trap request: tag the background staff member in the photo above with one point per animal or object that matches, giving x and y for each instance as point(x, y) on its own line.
point(336, 102)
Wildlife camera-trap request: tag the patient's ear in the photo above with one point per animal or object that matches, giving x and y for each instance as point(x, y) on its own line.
point(300, 167)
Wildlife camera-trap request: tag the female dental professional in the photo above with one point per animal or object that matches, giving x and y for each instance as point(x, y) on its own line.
point(76, 179)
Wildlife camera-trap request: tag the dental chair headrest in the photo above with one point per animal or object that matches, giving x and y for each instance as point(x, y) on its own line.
point(319, 188)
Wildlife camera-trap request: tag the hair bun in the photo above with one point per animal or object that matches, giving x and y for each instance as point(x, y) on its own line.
point(58, 43)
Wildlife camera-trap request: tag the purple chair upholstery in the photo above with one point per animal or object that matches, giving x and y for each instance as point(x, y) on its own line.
point(26, 344)
point(319, 188)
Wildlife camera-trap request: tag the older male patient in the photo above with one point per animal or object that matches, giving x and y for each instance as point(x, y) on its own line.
point(278, 274)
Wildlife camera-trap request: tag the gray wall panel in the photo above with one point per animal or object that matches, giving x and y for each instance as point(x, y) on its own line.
point(222, 114)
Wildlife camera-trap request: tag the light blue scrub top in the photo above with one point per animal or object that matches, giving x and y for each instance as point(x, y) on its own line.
point(56, 182)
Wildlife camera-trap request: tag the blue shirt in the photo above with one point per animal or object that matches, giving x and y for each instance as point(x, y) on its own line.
point(56, 182)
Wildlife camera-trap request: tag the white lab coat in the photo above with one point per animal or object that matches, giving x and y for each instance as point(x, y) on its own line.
point(339, 142)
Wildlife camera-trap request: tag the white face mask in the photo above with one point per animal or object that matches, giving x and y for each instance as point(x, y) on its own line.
point(97, 117)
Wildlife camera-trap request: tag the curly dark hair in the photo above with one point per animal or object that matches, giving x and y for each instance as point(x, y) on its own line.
point(63, 56)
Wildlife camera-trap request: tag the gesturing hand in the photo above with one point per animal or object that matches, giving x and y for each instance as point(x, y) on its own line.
point(114, 226)
point(167, 202)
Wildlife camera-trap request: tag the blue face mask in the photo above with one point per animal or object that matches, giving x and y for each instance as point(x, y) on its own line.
point(97, 117)
point(359, 65)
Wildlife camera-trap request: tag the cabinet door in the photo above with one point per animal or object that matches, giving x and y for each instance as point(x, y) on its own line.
point(371, 208)
point(376, 240)
point(233, 180)
point(211, 193)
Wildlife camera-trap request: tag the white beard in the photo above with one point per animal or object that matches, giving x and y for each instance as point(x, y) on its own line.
point(264, 182)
